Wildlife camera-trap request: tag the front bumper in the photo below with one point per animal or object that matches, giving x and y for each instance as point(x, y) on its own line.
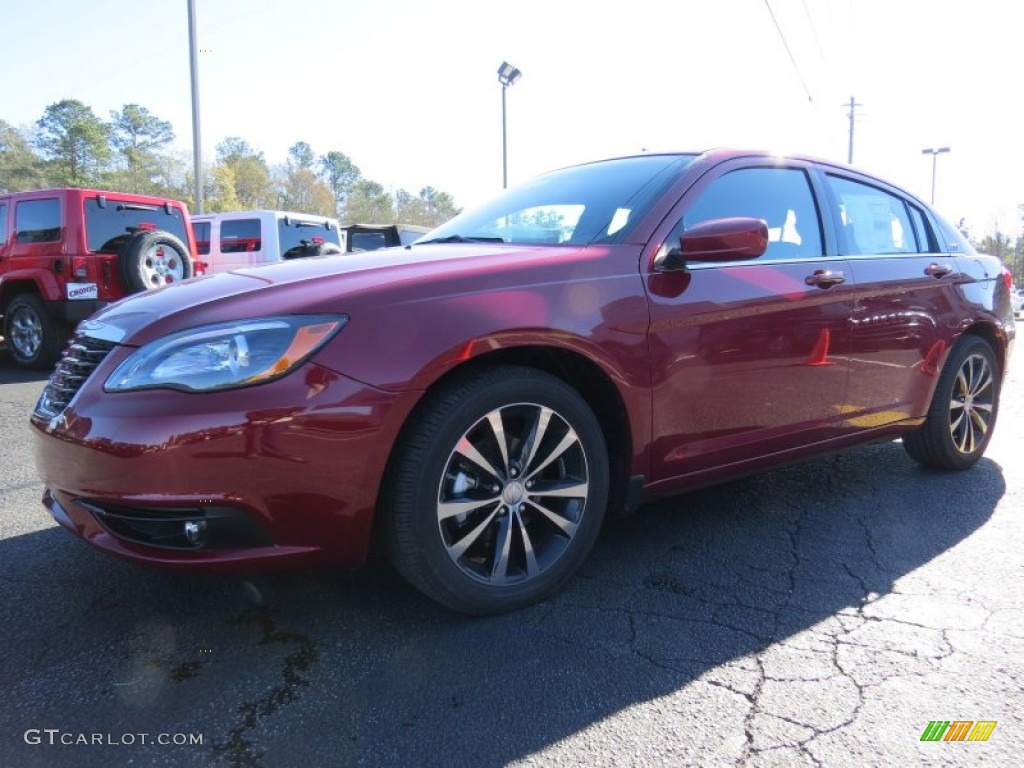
point(284, 474)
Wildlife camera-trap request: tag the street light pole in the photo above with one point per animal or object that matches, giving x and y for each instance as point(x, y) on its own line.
point(507, 75)
point(504, 140)
point(934, 152)
point(196, 146)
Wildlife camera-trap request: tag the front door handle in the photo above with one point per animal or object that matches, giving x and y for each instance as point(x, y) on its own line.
point(825, 278)
point(938, 270)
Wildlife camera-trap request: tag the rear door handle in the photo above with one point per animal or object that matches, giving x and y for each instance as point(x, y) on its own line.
point(825, 278)
point(937, 270)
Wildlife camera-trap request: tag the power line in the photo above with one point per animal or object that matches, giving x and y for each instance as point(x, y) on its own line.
point(782, 37)
point(814, 30)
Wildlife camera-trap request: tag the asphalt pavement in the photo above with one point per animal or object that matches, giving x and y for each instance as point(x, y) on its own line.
point(822, 614)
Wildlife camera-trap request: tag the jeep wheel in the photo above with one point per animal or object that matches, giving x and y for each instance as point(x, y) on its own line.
point(35, 340)
point(153, 259)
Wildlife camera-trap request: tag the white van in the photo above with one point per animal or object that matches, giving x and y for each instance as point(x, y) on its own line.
point(226, 241)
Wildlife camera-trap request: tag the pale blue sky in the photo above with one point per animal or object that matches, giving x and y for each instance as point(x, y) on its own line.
point(408, 88)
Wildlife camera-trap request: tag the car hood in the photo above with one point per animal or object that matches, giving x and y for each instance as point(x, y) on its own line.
point(303, 286)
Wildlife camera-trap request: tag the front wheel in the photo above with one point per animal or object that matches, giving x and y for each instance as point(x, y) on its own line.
point(498, 491)
point(35, 340)
point(963, 411)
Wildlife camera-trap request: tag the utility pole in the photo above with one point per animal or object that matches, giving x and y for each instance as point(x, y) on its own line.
point(197, 157)
point(853, 106)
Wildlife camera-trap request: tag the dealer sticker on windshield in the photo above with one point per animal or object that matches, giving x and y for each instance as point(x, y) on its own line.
point(83, 291)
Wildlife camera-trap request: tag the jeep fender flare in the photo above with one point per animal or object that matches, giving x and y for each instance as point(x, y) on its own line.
point(38, 281)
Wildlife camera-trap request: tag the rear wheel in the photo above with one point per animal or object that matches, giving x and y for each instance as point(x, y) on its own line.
point(498, 491)
point(963, 411)
point(35, 340)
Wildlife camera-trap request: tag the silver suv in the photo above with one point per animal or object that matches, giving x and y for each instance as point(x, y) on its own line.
point(226, 241)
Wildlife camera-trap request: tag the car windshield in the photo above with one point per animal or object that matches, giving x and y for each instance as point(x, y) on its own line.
point(593, 203)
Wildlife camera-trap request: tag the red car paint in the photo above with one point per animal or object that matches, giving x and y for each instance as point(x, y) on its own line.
point(716, 369)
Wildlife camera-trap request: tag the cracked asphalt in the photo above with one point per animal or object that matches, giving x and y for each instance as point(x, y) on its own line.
point(820, 614)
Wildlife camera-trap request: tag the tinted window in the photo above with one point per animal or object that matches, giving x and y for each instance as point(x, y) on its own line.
point(3, 223)
point(781, 197)
point(108, 227)
point(201, 229)
point(873, 221)
point(595, 203)
point(240, 236)
point(366, 241)
point(299, 236)
point(926, 242)
point(38, 221)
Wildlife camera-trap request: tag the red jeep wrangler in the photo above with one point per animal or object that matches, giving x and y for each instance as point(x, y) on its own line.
point(64, 253)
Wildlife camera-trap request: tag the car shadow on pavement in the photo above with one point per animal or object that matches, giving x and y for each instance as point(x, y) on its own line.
point(9, 374)
point(675, 603)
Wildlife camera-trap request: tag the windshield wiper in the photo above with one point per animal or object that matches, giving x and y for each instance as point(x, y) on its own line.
point(461, 239)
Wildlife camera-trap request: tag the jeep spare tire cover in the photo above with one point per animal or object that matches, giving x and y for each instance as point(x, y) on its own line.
point(152, 260)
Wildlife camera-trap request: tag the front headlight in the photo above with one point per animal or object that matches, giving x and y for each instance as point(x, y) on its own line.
point(226, 355)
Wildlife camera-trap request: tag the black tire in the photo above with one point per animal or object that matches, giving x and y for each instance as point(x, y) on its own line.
point(326, 249)
point(34, 339)
point(963, 411)
point(515, 541)
point(152, 260)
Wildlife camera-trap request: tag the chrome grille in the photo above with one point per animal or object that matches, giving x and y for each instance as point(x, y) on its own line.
point(75, 366)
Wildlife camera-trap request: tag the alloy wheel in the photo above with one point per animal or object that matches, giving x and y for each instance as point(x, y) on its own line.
point(26, 332)
point(512, 495)
point(971, 406)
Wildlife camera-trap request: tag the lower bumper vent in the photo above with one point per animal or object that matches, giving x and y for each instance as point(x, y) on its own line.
point(195, 528)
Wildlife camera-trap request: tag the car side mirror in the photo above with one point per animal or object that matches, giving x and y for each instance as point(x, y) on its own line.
point(717, 240)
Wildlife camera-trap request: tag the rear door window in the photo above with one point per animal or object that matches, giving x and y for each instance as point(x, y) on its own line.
point(37, 221)
point(109, 225)
point(240, 236)
point(3, 223)
point(873, 221)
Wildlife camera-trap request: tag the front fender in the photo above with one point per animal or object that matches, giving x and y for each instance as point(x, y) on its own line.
point(42, 280)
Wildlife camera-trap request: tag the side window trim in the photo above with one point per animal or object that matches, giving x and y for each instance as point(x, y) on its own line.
point(927, 242)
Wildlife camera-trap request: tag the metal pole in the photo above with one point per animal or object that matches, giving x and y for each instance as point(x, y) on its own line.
point(849, 152)
point(935, 159)
point(504, 141)
point(197, 152)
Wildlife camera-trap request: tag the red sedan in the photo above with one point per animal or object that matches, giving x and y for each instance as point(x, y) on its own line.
point(601, 335)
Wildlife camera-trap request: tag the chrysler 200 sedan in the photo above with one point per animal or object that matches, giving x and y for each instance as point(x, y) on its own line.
point(476, 402)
